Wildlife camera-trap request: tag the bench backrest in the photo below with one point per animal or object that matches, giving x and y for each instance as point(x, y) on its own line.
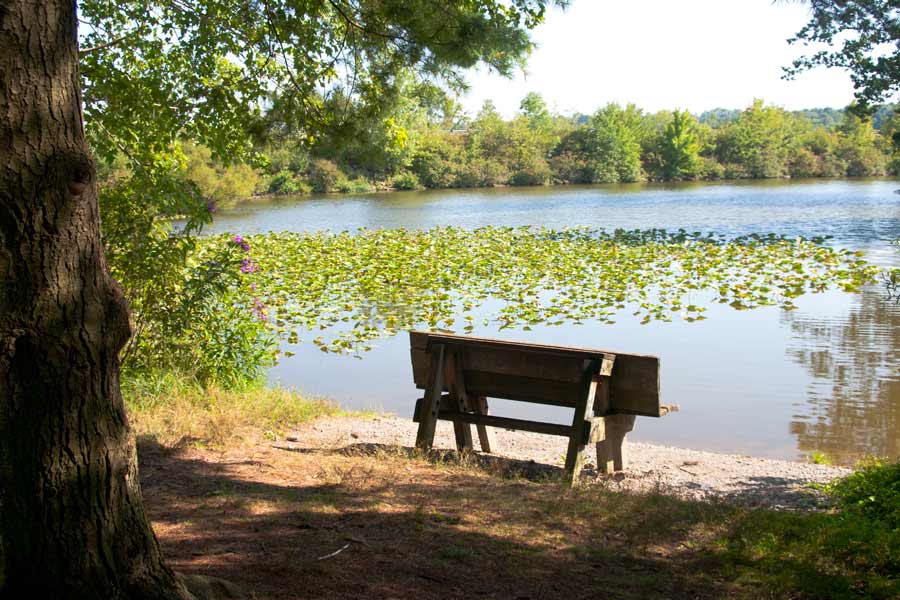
point(540, 373)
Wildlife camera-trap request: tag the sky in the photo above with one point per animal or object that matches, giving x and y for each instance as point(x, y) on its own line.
point(664, 54)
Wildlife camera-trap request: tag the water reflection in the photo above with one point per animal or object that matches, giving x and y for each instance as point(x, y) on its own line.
point(852, 405)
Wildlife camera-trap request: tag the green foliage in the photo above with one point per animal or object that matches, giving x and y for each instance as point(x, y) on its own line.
point(202, 70)
point(681, 147)
point(357, 287)
point(872, 491)
point(220, 185)
point(207, 322)
point(325, 176)
point(819, 458)
point(858, 147)
point(818, 555)
point(849, 553)
point(759, 142)
point(285, 182)
point(612, 143)
point(479, 171)
point(406, 181)
point(438, 158)
point(535, 111)
point(862, 36)
point(360, 185)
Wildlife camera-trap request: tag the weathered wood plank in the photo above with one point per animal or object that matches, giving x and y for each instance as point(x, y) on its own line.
point(459, 400)
point(506, 423)
point(580, 420)
point(523, 389)
point(485, 438)
point(634, 387)
point(517, 364)
point(420, 340)
point(510, 387)
point(428, 412)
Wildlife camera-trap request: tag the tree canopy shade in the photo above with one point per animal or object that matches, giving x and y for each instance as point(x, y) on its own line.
point(72, 523)
point(863, 37)
point(202, 69)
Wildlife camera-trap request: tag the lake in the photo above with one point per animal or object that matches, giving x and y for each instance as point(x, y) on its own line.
point(767, 382)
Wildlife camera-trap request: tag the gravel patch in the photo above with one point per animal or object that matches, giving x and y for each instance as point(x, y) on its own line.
point(687, 474)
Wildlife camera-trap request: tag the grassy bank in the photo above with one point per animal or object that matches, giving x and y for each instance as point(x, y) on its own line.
point(174, 411)
point(237, 502)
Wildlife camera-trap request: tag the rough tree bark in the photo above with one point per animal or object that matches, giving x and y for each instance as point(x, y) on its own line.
point(72, 521)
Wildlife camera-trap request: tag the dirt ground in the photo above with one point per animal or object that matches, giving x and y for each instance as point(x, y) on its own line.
point(380, 522)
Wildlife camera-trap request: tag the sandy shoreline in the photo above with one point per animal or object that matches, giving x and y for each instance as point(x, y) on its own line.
point(689, 474)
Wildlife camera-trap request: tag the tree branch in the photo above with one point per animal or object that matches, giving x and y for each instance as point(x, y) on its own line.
point(85, 51)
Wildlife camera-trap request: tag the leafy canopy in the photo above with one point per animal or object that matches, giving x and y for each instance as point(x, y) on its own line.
point(863, 36)
point(156, 74)
point(203, 69)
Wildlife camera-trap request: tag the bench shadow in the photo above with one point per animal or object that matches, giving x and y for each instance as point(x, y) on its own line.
point(500, 466)
point(238, 520)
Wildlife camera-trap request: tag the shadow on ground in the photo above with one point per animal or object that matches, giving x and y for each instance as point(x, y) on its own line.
point(367, 522)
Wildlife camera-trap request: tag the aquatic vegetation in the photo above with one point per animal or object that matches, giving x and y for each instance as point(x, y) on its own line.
point(347, 289)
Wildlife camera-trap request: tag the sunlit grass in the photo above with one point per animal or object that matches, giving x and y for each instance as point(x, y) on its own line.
point(172, 409)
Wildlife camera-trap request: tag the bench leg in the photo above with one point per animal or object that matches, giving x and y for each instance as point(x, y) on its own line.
point(431, 403)
point(484, 434)
point(461, 431)
point(458, 401)
point(611, 450)
point(583, 407)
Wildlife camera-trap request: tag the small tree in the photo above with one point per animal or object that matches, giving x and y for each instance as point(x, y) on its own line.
point(681, 147)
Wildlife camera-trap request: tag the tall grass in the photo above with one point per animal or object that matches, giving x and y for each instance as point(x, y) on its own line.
point(175, 410)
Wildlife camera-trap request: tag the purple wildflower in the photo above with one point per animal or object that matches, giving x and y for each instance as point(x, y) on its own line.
point(211, 205)
point(247, 265)
point(238, 239)
point(259, 309)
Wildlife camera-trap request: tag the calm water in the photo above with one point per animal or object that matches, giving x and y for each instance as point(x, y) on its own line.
point(767, 382)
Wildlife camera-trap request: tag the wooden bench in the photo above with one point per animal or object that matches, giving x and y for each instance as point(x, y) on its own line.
point(605, 389)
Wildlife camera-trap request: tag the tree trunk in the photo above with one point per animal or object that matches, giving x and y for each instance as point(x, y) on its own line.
point(72, 521)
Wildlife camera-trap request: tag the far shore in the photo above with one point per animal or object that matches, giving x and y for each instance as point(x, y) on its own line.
point(383, 189)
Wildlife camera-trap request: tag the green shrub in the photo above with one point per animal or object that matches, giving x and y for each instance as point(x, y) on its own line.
point(361, 185)
point(433, 170)
point(325, 176)
point(710, 168)
point(570, 167)
point(872, 491)
point(405, 181)
point(220, 185)
point(805, 163)
point(285, 182)
point(343, 186)
point(535, 172)
point(481, 172)
point(209, 326)
point(735, 171)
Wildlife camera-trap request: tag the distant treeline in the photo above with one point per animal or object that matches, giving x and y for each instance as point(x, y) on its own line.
point(422, 148)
